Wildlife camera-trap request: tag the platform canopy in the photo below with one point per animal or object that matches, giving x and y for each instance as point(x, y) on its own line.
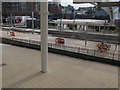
point(102, 3)
point(81, 21)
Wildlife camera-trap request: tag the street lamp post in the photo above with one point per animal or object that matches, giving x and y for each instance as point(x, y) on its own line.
point(73, 23)
point(9, 23)
point(86, 34)
point(60, 25)
point(62, 17)
point(104, 28)
point(32, 22)
point(11, 20)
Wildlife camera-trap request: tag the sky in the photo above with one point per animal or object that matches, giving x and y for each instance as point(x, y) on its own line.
point(76, 6)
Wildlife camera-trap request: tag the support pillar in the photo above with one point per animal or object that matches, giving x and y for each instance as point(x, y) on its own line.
point(86, 27)
point(65, 26)
point(78, 27)
point(0, 46)
point(44, 36)
point(99, 28)
point(82, 27)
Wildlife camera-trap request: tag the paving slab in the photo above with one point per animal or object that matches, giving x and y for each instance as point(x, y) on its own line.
point(24, 65)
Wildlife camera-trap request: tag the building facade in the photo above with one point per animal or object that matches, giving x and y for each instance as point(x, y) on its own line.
point(19, 8)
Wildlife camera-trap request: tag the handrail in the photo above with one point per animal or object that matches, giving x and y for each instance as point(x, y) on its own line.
point(93, 52)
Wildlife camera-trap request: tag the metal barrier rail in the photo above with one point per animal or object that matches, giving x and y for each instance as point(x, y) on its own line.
point(92, 52)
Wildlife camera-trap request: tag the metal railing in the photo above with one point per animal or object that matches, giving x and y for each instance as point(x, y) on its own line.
point(92, 52)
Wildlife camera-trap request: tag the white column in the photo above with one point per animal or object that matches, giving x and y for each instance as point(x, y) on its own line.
point(44, 36)
point(1, 46)
point(83, 27)
point(58, 26)
point(78, 27)
point(99, 29)
point(86, 27)
point(65, 26)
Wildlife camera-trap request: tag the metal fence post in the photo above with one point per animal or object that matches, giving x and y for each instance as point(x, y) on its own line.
point(94, 52)
point(113, 56)
point(51, 45)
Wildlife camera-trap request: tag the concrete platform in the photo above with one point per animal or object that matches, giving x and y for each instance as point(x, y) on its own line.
point(90, 31)
point(68, 41)
point(23, 71)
